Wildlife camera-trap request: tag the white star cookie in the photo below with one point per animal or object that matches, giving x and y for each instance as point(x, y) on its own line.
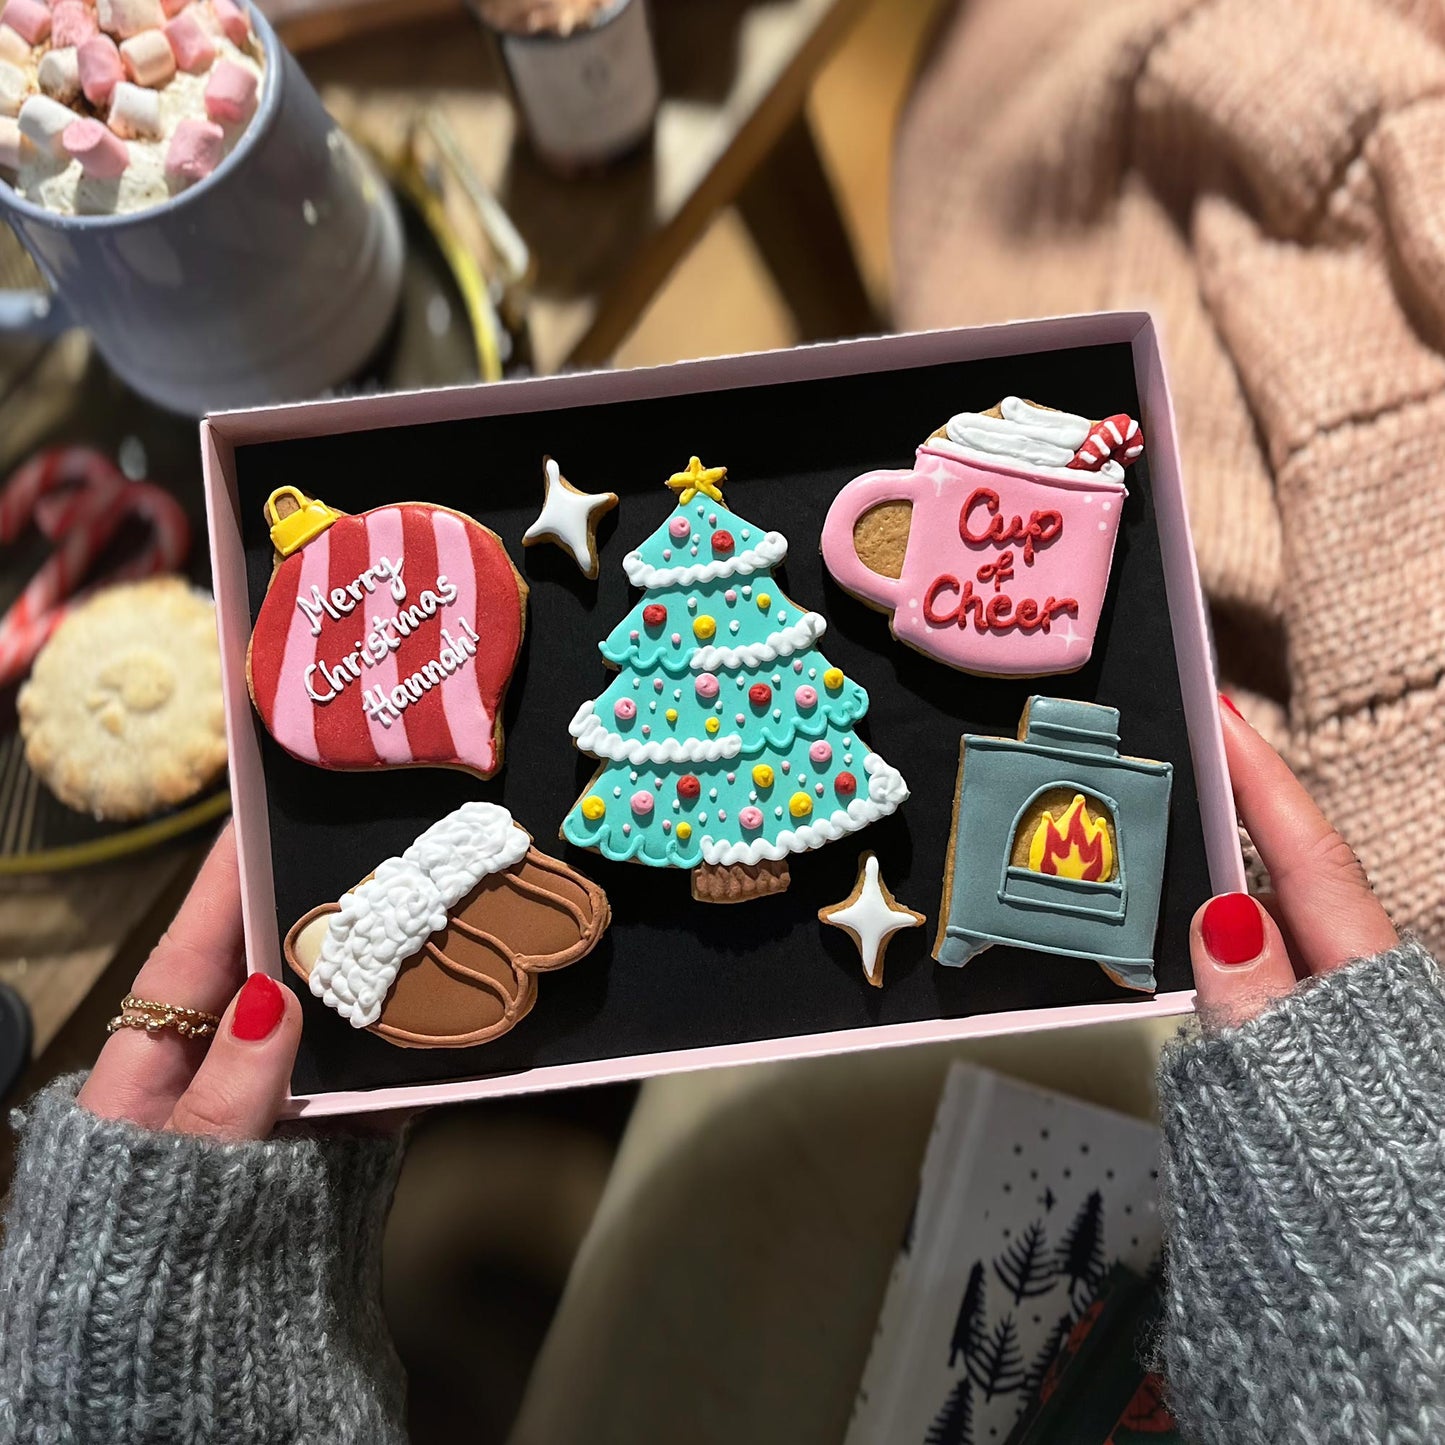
point(569, 518)
point(871, 916)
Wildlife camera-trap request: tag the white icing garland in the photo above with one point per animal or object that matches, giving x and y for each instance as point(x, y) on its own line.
point(886, 791)
point(386, 920)
point(594, 737)
point(768, 553)
point(793, 638)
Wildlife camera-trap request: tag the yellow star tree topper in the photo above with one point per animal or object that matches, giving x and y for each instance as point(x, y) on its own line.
point(697, 478)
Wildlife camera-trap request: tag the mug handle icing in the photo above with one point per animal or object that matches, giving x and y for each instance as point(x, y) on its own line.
point(861, 495)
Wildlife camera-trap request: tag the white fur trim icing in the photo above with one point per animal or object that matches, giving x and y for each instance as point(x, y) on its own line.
point(794, 638)
point(886, 791)
point(768, 553)
point(594, 737)
point(386, 920)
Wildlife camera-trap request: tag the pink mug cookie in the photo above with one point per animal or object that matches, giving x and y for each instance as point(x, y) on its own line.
point(1003, 565)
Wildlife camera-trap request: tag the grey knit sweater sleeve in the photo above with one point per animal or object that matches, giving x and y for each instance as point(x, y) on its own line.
point(1304, 1199)
point(157, 1287)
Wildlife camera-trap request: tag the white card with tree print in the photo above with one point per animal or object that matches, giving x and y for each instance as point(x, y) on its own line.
point(1026, 1198)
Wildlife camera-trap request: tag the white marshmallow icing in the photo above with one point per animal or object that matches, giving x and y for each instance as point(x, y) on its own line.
point(386, 920)
point(1040, 439)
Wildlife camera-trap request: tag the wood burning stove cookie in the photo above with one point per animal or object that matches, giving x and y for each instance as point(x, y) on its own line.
point(1058, 844)
point(440, 947)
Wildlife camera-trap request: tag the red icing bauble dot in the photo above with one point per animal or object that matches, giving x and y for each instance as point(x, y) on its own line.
point(760, 694)
point(688, 786)
point(846, 784)
point(654, 614)
point(722, 543)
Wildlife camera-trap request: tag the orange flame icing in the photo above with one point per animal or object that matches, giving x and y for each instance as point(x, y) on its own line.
point(1075, 845)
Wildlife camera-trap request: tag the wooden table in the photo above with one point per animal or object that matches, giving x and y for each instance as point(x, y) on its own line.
point(731, 129)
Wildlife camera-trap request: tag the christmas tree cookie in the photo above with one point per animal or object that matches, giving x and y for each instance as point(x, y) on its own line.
point(727, 740)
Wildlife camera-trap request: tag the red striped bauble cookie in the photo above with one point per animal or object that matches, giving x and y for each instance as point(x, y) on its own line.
point(386, 639)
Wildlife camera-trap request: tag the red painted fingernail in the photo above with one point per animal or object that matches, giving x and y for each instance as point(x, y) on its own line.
point(1228, 701)
point(258, 1010)
point(1232, 929)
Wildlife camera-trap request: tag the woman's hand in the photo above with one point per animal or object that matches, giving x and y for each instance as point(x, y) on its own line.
point(229, 1086)
point(1322, 913)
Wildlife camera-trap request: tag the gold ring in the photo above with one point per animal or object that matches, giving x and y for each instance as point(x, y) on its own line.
point(147, 1014)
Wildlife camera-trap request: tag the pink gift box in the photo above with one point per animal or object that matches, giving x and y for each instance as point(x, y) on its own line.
point(236, 442)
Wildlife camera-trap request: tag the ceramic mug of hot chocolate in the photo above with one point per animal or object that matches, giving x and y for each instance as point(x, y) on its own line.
point(1006, 562)
point(271, 279)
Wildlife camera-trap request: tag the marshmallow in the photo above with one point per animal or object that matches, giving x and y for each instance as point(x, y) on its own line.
point(12, 47)
point(100, 69)
point(12, 144)
point(234, 22)
point(193, 49)
point(43, 122)
point(195, 151)
point(72, 22)
point(148, 59)
point(29, 19)
point(135, 113)
point(173, 7)
point(127, 17)
point(101, 153)
point(231, 93)
point(60, 75)
point(14, 87)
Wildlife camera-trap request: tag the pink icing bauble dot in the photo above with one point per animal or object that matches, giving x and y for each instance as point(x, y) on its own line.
point(751, 819)
point(806, 696)
point(633, 636)
point(707, 686)
point(624, 709)
point(821, 753)
point(730, 595)
point(642, 803)
point(676, 638)
point(740, 719)
point(657, 684)
point(679, 527)
point(798, 666)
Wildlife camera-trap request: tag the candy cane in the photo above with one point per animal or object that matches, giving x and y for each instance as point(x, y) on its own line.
point(82, 519)
point(1116, 438)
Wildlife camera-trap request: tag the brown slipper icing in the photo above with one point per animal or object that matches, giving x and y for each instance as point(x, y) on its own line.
point(473, 979)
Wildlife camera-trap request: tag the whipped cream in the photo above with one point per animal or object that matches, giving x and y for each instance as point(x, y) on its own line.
point(1031, 435)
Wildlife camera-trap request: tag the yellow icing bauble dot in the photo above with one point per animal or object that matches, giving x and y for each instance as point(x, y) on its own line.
point(704, 629)
point(593, 808)
point(684, 832)
point(712, 725)
point(762, 776)
point(833, 678)
point(765, 600)
point(800, 805)
point(671, 714)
